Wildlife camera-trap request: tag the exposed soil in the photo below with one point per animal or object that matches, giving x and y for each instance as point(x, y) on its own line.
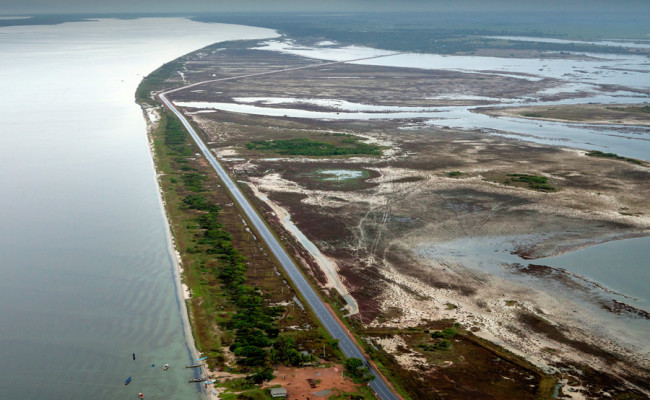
point(312, 383)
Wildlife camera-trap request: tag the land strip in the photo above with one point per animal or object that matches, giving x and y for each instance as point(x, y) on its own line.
point(231, 303)
point(602, 114)
point(347, 345)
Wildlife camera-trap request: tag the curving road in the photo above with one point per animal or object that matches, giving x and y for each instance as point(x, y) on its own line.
point(346, 343)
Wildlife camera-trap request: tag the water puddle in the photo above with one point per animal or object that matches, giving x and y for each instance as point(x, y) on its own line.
point(341, 174)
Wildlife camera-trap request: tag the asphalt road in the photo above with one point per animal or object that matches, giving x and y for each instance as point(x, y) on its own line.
point(346, 344)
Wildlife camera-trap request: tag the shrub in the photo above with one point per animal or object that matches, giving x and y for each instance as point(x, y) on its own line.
point(307, 147)
point(444, 344)
point(533, 181)
point(597, 153)
point(446, 333)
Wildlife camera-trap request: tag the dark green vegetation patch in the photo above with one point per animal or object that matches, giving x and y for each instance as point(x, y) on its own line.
point(350, 145)
point(596, 153)
point(355, 369)
point(533, 181)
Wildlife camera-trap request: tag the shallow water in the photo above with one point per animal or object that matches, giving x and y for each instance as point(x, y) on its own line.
point(340, 174)
point(630, 141)
point(627, 70)
point(87, 276)
point(299, 113)
point(623, 265)
point(579, 78)
point(620, 266)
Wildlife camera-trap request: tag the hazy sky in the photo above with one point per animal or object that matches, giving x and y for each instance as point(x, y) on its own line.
point(13, 7)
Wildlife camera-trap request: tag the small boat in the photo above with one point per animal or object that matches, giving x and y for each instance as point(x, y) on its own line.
point(194, 366)
point(210, 382)
point(127, 381)
point(196, 380)
point(140, 396)
point(202, 358)
point(165, 367)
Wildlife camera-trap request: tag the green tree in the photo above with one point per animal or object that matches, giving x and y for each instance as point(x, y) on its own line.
point(354, 367)
point(258, 378)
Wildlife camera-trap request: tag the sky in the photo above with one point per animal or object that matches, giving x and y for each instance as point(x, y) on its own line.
point(15, 7)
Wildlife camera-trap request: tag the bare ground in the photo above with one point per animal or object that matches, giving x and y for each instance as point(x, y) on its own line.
point(312, 383)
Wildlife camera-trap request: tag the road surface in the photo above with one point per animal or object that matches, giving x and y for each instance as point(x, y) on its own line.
point(329, 321)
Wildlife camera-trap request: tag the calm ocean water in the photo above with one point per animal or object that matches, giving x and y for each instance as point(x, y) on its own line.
point(86, 274)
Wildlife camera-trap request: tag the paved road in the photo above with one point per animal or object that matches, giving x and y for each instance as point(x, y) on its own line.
point(346, 344)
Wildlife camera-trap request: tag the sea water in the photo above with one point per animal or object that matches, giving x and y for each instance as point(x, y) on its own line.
point(87, 277)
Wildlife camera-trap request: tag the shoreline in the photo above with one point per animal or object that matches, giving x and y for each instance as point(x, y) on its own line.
point(152, 115)
point(181, 290)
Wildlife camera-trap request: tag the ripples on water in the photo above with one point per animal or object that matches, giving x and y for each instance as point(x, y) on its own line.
point(86, 273)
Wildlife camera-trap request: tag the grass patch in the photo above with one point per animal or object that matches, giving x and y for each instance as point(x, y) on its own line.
point(447, 333)
point(349, 145)
point(454, 174)
point(596, 153)
point(642, 109)
point(254, 394)
point(533, 181)
point(444, 344)
point(364, 393)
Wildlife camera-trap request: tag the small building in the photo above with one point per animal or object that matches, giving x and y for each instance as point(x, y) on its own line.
point(278, 392)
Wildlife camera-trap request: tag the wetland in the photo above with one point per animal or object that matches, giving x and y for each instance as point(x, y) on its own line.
point(450, 217)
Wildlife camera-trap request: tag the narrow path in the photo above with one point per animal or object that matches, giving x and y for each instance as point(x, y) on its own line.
point(330, 321)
